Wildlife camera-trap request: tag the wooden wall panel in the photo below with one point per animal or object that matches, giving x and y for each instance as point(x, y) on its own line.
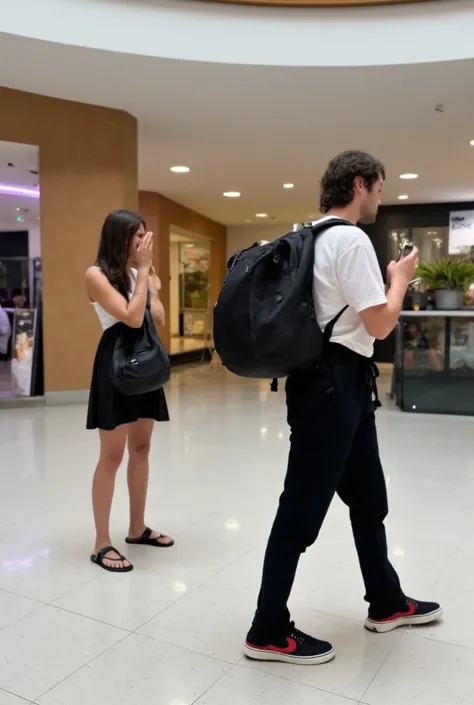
point(88, 167)
point(160, 214)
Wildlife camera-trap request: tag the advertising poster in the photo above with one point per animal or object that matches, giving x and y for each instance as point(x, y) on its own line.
point(461, 232)
point(23, 351)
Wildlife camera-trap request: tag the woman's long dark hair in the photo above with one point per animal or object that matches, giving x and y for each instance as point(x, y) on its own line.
point(117, 231)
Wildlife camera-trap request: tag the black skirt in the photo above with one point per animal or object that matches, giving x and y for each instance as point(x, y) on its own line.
point(108, 408)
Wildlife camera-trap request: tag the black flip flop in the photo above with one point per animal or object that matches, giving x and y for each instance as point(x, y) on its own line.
point(145, 540)
point(101, 555)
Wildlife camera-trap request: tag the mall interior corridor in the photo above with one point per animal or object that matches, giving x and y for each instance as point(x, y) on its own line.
point(172, 631)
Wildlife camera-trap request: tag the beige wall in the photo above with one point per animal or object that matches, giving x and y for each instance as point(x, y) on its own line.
point(244, 236)
point(88, 167)
point(160, 214)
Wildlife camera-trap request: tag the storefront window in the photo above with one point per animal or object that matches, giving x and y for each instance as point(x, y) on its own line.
point(395, 241)
point(190, 313)
point(21, 353)
point(432, 243)
point(194, 277)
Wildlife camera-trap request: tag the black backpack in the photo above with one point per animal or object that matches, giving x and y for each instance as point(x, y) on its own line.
point(264, 320)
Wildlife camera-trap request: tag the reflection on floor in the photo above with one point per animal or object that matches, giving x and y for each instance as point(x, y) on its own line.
point(171, 632)
point(182, 345)
point(6, 390)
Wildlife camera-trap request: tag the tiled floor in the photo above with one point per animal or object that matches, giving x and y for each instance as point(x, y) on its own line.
point(171, 632)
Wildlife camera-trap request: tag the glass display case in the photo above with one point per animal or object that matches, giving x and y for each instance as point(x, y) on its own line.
point(434, 362)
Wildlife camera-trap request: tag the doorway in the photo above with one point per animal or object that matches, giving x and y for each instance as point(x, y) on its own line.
point(21, 349)
point(190, 314)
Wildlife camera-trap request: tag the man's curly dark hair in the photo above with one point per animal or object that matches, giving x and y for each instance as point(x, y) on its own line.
point(337, 184)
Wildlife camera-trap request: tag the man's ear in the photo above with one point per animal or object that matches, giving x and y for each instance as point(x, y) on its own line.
point(359, 184)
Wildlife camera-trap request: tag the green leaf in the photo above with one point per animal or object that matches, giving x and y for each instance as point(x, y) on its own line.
point(452, 274)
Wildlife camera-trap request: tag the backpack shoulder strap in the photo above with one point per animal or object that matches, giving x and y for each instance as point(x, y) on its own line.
point(317, 230)
point(330, 326)
point(329, 223)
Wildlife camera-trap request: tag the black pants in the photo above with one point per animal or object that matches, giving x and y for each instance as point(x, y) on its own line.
point(333, 449)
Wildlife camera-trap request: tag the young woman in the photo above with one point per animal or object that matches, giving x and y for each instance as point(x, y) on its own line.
point(120, 286)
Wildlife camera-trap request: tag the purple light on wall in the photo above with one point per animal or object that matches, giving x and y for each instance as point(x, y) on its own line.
point(10, 190)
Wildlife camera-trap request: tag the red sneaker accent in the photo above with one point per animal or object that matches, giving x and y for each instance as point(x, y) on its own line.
point(398, 615)
point(289, 649)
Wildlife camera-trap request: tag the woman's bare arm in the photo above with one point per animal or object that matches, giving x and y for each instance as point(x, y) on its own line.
point(131, 312)
point(157, 310)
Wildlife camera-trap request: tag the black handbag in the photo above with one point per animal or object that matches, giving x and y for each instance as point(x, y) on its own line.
point(140, 364)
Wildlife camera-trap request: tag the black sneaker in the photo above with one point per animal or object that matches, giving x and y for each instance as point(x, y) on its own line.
point(297, 648)
point(414, 613)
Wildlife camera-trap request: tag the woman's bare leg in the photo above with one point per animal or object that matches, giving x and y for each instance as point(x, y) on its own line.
point(139, 440)
point(112, 448)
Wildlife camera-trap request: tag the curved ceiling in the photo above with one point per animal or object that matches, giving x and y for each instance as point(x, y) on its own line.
point(264, 36)
point(317, 3)
point(252, 129)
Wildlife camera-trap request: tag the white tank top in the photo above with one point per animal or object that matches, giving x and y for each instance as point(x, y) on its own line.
point(106, 320)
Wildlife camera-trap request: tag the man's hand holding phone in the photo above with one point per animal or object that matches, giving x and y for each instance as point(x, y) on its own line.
point(404, 269)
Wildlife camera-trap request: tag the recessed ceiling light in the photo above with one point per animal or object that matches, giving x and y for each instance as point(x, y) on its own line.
point(471, 143)
point(288, 186)
point(261, 215)
point(180, 169)
point(232, 194)
point(408, 176)
point(403, 197)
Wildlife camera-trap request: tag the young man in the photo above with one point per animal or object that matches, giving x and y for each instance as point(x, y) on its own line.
point(333, 435)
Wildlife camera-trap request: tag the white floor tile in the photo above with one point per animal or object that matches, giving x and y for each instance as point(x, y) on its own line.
point(14, 608)
point(200, 552)
point(457, 626)
point(142, 671)
point(359, 655)
point(127, 600)
point(424, 672)
point(217, 471)
point(208, 621)
point(332, 593)
point(244, 575)
point(46, 571)
point(8, 699)
point(47, 646)
point(243, 686)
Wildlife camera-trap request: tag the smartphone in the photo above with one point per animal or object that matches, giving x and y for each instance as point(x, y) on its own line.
point(405, 249)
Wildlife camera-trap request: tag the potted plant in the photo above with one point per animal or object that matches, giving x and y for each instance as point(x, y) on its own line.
point(449, 278)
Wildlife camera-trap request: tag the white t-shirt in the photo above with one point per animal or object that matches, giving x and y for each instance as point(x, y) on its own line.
point(346, 272)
